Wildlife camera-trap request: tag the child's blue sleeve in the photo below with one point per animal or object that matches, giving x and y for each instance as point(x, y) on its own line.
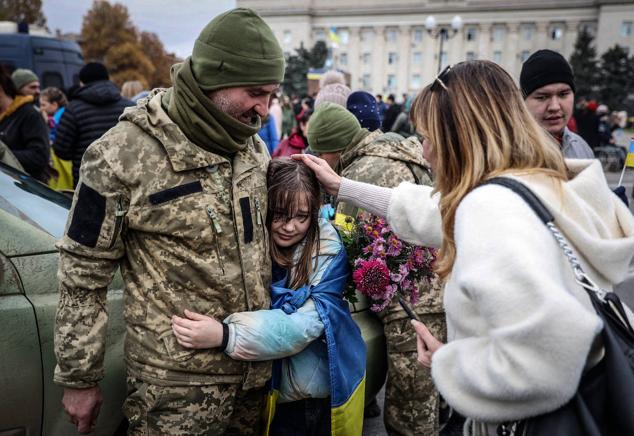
point(272, 334)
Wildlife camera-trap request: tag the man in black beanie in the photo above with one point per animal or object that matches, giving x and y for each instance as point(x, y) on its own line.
point(548, 85)
point(95, 109)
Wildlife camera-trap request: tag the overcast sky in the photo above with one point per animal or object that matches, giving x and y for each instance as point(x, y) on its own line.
point(177, 22)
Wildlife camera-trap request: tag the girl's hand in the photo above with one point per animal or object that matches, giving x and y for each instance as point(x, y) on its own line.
point(426, 343)
point(197, 331)
point(328, 178)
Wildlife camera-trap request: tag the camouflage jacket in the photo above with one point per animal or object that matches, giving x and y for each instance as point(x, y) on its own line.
point(387, 159)
point(186, 227)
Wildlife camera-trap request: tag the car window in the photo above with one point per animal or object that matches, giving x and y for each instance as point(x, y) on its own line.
point(33, 202)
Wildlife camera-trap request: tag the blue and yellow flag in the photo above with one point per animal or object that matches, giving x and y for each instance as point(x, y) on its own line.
point(346, 349)
point(333, 36)
point(629, 160)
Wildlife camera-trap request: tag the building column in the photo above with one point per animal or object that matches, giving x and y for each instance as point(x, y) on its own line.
point(511, 58)
point(379, 61)
point(541, 35)
point(484, 41)
point(404, 59)
point(570, 37)
point(430, 58)
point(354, 64)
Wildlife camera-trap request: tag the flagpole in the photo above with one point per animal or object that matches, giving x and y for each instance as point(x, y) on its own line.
point(628, 157)
point(622, 174)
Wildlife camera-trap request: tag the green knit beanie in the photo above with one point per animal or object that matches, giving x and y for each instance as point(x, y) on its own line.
point(331, 128)
point(22, 77)
point(237, 48)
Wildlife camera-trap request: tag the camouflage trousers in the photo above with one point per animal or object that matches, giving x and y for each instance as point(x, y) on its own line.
point(223, 409)
point(411, 400)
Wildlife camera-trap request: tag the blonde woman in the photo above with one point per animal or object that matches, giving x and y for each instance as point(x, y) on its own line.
point(521, 331)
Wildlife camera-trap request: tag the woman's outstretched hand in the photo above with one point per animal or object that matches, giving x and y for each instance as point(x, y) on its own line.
point(426, 343)
point(197, 331)
point(328, 178)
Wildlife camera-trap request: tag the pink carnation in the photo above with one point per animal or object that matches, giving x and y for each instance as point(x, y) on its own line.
point(371, 278)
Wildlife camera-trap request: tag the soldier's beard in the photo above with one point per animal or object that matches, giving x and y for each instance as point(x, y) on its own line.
point(231, 108)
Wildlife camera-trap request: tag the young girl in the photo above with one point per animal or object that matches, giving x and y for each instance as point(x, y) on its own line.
point(52, 104)
point(318, 385)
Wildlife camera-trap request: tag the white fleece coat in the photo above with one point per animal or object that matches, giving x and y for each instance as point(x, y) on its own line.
point(520, 329)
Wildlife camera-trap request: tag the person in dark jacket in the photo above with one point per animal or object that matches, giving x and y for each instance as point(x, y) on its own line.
point(390, 115)
point(95, 108)
point(296, 142)
point(23, 129)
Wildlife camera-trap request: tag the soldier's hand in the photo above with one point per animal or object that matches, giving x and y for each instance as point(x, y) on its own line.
point(82, 406)
point(426, 343)
point(328, 178)
point(197, 331)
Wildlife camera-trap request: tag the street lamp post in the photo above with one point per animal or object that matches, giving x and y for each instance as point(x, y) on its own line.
point(443, 33)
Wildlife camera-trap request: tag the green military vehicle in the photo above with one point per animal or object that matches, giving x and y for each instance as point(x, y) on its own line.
point(32, 218)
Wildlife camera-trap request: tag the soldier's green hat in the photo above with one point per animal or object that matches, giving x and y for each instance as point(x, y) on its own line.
point(237, 48)
point(22, 77)
point(331, 128)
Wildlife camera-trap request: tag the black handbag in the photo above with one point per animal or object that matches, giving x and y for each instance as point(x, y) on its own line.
point(604, 402)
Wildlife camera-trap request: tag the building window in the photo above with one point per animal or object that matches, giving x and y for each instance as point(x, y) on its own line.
point(366, 81)
point(320, 35)
point(626, 28)
point(499, 33)
point(288, 37)
point(527, 32)
point(343, 58)
point(390, 35)
point(415, 81)
point(418, 35)
point(556, 32)
point(497, 57)
point(392, 58)
point(344, 36)
point(471, 34)
point(391, 81)
point(367, 58)
point(367, 35)
point(417, 58)
point(471, 56)
point(525, 55)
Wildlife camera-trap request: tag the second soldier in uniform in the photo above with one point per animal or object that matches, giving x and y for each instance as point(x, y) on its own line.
point(387, 159)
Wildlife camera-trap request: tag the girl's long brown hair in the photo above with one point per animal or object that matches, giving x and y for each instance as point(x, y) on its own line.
point(479, 127)
point(287, 181)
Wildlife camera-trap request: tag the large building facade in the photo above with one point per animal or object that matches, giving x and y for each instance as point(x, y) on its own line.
point(386, 47)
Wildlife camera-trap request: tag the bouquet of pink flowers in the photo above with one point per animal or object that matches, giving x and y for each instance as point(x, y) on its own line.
point(383, 266)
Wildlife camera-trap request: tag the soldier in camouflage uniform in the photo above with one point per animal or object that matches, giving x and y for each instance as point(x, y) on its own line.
point(387, 159)
point(175, 195)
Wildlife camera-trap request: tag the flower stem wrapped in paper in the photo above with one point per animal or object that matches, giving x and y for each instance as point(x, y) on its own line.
point(383, 266)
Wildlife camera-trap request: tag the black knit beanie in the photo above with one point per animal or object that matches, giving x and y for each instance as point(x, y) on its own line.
point(543, 68)
point(93, 72)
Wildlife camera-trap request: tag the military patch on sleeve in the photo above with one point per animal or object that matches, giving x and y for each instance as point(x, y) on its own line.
point(175, 192)
point(88, 216)
point(247, 221)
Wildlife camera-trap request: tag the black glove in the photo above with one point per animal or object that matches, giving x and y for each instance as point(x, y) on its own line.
point(620, 192)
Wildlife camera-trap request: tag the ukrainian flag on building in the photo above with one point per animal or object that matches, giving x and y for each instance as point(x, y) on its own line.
point(629, 160)
point(346, 349)
point(333, 36)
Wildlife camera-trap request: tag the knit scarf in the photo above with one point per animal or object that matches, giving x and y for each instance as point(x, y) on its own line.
point(17, 103)
point(199, 119)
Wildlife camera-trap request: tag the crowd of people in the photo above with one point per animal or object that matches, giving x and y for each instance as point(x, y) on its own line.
point(216, 199)
point(48, 131)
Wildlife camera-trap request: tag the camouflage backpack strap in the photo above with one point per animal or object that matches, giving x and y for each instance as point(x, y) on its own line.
point(417, 178)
